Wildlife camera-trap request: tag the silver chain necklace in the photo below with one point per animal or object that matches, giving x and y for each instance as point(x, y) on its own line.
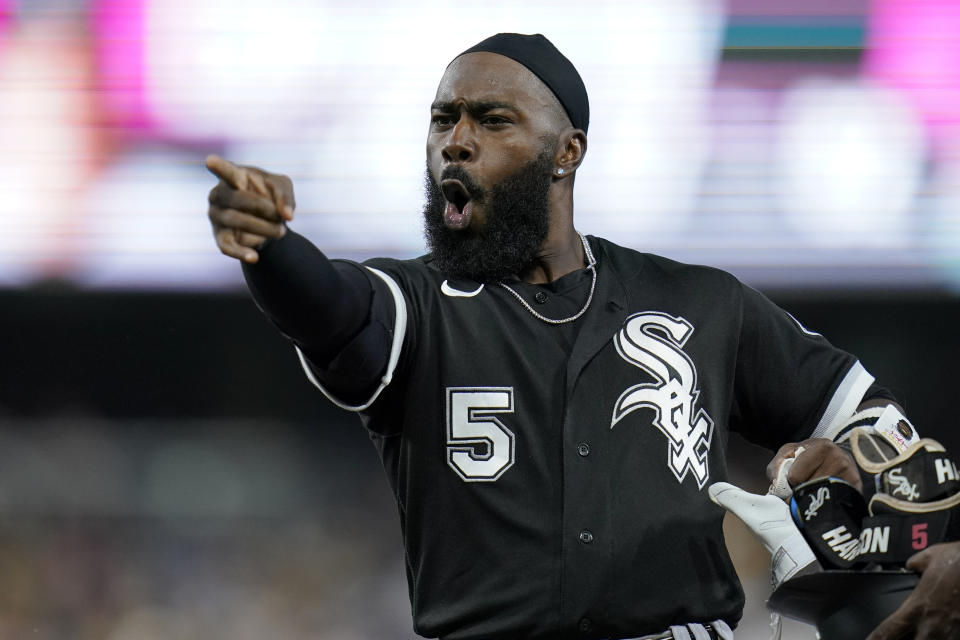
point(591, 266)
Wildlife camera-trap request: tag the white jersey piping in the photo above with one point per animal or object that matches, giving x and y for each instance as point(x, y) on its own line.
point(844, 402)
point(399, 330)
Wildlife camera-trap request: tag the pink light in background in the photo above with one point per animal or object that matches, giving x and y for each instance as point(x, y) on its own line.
point(914, 47)
point(119, 27)
point(6, 18)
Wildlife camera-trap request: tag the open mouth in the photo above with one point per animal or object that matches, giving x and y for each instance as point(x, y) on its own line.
point(459, 205)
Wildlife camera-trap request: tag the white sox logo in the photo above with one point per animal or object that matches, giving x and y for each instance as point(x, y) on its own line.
point(654, 342)
point(902, 485)
point(823, 494)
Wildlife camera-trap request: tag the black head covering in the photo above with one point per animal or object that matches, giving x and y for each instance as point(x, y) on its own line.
point(546, 62)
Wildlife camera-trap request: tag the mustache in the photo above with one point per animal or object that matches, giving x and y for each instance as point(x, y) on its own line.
point(457, 172)
point(517, 222)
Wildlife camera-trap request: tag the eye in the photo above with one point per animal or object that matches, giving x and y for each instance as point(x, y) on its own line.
point(494, 121)
point(441, 120)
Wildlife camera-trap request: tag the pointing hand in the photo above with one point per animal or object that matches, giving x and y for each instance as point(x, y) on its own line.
point(247, 207)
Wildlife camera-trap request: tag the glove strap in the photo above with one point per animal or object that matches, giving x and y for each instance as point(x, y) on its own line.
point(829, 512)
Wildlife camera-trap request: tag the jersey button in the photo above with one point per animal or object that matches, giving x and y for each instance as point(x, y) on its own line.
point(541, 297)
point(583, 449)
point(585, 625)
point(586, 537)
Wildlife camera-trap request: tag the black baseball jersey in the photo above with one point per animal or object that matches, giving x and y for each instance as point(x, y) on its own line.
point(551, 480)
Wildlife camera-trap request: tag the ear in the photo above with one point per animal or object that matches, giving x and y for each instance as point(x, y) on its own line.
point(570, 153)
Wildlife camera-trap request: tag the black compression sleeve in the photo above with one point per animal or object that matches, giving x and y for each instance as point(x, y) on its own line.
point(324, 307)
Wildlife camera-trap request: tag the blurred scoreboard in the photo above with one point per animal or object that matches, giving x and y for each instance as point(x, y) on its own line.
point(809, 144)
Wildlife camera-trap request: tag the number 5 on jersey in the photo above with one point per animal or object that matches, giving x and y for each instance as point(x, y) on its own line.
point(479, 445)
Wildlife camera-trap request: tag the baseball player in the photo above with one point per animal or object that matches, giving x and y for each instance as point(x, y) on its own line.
point(549, 407)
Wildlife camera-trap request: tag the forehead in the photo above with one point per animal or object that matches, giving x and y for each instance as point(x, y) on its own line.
point(485, 76)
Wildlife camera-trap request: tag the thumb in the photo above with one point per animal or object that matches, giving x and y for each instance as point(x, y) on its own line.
point(280, 202)
point(920, 561)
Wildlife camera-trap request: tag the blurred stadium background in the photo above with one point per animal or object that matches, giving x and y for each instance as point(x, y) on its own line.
point(165, 470)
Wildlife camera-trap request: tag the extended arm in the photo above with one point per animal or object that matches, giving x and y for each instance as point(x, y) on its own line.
point(339, 316)
point(326, 307)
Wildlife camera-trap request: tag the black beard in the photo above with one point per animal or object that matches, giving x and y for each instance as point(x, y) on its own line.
point(516, 225)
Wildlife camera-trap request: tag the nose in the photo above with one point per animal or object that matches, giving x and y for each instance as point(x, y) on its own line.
point(460, 145)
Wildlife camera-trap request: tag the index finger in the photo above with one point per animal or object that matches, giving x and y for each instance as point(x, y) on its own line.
point(235, 176)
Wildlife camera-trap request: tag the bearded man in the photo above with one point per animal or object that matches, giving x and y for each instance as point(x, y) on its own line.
point(549, 407)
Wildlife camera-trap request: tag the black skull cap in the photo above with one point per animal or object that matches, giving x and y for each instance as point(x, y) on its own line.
point(539, 55)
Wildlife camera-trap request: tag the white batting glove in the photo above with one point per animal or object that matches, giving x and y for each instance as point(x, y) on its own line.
point(768, 517)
